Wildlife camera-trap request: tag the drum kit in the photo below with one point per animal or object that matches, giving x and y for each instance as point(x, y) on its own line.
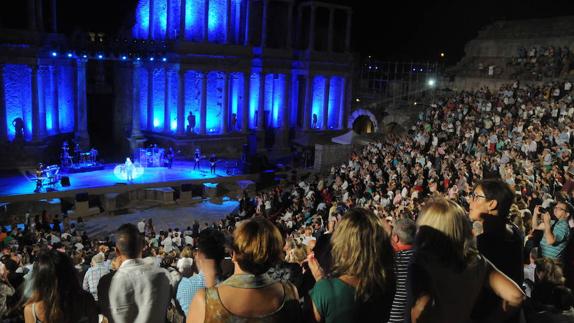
point(82, 158)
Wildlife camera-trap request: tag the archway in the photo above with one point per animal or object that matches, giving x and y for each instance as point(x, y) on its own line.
point(367, 122)
point(363, 125)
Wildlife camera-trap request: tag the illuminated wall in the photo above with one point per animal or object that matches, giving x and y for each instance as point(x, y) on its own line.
point(236, 100)
point(142, 74)
point(274, 98)
point(253, 99)
point(158, 99)
point(140, 29)
point(336, 100)
point(194, 20)
point(214, 120)
point(318, 101)
point(192, 101)
point(18, 97)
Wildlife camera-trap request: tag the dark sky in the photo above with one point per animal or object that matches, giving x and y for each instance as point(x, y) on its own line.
point(393, 30)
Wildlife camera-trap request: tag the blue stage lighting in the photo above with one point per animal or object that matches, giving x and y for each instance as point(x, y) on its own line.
point(164, 59)
point(70, 55)
point(100, 56)
point(151, 59)
point(54, 54)
point(124, 58)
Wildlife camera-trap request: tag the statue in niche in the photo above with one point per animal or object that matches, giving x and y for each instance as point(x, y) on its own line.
point(234, 121)
point(190, 123)
point(314, 121)
point(18, 125)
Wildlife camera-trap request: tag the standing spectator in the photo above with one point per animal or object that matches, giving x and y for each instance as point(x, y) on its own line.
point(94, 273)
point(138, 292)
point(55, 294)
point(141, 226)
point(250, 295)
point(403, 238)
point(361, 283)
point(448, 274)
point(6, 290)
point(556, 230)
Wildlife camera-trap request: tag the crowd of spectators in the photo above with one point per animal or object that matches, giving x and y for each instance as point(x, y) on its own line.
point(541, 62)
point(466, 217)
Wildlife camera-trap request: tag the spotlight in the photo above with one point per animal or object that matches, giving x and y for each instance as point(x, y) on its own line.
point(431, 82)
point(85, 56)
point(441, 54)
point(358, 100)
point(137, 58)
point(100, 56)
point(415, 103)
point(54, 54)
point(124, 58)
point(70, 55)
point(151, 59)
point(164, 59)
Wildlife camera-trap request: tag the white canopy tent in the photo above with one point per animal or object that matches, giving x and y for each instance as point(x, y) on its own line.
point(351, 138)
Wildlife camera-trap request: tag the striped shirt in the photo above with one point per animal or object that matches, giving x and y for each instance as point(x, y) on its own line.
point(187, 288)
point(402, 259)
point(561, 232)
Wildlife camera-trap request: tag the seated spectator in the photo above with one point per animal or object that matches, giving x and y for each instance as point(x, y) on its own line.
point(360, 286)
point(447, 265)
point(55, 294)
point(250, 294)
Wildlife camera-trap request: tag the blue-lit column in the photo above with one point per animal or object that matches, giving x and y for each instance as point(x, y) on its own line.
point(149, 126)
point(136, 117)
point(3, 121)
point(247, 25)
point(287, 103)
point(35, 104)
point(43, 74)
point(55, 103)
point(347, 103)
point(311, 45)
point(81, 115)
point(225, 122)
point(206, 21)
point(308, 101)
point(151, 19)
point(261, 107)
point(265, 4)
point(181, 35)
point(203, 107)
point(166, 114)
point(228, 23)
point(168, 20)
point(245, 110)
point(326, 91)
point(181, 100)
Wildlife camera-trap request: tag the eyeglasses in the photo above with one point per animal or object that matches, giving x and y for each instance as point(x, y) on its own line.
point(561, 208)
point(474, 196)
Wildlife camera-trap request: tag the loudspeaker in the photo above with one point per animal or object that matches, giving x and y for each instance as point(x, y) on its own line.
point(65, 181)
point(186, 187)
point(82, 197)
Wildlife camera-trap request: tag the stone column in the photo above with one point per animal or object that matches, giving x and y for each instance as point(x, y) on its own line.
point(151, 19)
point(181, 35)
point(348, 101)
point(331, 29)
point(326, 92)
point(81, 128)
point(311, 46)
point(206, 21)
point(287, 102)
point(40, 15)
point(225, 123)
point(228, 29)
point(261, 105)
point(54, 4)
point(56, 112)
point(308, 102)
point(136, 108)
point(289, 35)
point(246, 17)
point(166, 112)
point(150, 116)
point(341, 107)
point(32, 23)
point(35, 104)
point(348, 32)
point(44, 72)
point(168, 29)
point(265, 4)
point(245, 110)
point(3, 114)
point(203, 108)
point(181, 101)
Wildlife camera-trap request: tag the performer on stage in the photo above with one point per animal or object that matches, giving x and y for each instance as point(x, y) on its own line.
point(169, 157)
point(129, 167)
point(39, 173)
point(66, 159)
point(190, 123)
point(197, 157)
point(212, 161)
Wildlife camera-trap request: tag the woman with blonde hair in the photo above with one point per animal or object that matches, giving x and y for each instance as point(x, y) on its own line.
point(250, 295)
point(448, 274)
point(359, 288)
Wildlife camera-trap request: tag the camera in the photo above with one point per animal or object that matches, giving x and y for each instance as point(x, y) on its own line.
point(543, 210)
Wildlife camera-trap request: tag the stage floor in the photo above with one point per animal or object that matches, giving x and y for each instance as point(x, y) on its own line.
point(16, 183)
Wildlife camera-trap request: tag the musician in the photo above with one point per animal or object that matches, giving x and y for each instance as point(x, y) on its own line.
point(129, 167)
point(39, 173)
point(93, 155)
point(66, 158)
point(314, 121)
point(212, 161)
point(169, 157)
point(197, 158)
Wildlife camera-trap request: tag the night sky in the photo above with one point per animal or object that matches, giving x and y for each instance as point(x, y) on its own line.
point(395, 30)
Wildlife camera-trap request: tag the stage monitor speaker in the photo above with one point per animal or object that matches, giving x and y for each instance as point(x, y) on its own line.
point(186, 187)
point(65, 181)
point(82, 197)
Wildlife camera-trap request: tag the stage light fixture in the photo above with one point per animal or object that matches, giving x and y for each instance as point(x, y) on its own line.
point(124, 57)
point(431, 82)
point(54, 54)
point(164, 59)
point(100, 56)
point(70, 55)
point(85, 56)
point(151, 59)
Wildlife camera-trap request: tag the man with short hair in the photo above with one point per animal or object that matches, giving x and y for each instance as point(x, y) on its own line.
point(94, 273)
point(556, 231)
point(138, 292)
point(403, 238)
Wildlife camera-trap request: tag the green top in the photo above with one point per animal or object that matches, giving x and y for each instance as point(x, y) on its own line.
point(335, 300)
